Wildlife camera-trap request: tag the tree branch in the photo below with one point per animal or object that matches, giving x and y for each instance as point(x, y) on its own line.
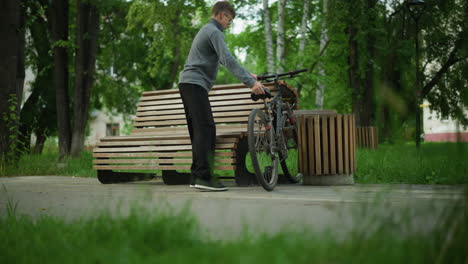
point(452, 60)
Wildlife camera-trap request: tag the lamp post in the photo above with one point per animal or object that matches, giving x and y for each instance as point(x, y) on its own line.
point(416, 9)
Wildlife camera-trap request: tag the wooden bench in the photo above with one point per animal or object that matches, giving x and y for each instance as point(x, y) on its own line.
point(160, 139)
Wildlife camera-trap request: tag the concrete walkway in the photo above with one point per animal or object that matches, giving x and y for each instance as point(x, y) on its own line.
point(227, 214)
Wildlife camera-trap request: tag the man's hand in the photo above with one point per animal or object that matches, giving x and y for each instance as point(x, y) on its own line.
point(257, 88)
point(254, 76)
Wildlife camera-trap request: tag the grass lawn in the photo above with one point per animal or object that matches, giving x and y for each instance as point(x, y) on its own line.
point(434, 163)
point(175, 237)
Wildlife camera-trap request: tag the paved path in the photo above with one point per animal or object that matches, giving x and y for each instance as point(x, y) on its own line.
point(228, 213)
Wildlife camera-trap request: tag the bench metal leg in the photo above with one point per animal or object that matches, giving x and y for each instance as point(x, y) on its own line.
point(243, 176)
point(108, 176)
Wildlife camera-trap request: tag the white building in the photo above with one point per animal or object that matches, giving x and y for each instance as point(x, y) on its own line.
point(436, 129)
point(101, 123)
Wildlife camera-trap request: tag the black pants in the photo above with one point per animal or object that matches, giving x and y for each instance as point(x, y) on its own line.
point(201, 128)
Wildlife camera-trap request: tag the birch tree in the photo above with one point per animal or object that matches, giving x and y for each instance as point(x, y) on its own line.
point(323, 42)
point(303, 32)
point(268, 37)
point(280, 36)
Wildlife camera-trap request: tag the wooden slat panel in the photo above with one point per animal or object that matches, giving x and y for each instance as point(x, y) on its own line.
point(300, 145)
point(215, 88)
point(184, 122)
point(352, 130)
point(159, 142)
point(174, 130)
point(313, 143)
point(325, 150)
point(152, 148)
point(318, 154)
point(155, 161)
point(212, 99)
point(346, 143)
point(155, 167)
point(222, 109)
point(158, 154)
point(339, 130)
point(180, 106)
point(310, 146)
point(332, 145)
point(165, 137)
point(212, 93)
point(175, 117)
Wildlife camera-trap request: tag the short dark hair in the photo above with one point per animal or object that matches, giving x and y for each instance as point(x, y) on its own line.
point(223, 6)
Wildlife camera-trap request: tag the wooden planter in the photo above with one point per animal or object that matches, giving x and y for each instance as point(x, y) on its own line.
point(326, 148)
point(367, 137)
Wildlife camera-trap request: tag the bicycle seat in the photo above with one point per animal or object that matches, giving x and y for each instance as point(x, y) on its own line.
point(256, 97)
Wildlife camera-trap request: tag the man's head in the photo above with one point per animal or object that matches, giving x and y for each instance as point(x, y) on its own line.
point(224, 13)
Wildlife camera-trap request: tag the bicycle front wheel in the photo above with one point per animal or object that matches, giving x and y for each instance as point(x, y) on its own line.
point(260, 138)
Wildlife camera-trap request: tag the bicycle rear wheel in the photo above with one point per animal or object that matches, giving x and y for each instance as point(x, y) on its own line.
point(264, 162)
point(288, 150)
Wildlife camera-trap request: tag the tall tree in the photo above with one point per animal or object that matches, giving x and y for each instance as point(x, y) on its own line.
point(87, 25)
point(280, 48)
point(303, 32)
point(320, 93)
point(11, 51)
point(268, 37)
point(61, 44)
point(39, 111)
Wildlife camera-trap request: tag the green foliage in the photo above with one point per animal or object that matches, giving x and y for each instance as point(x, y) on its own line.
point(11, 120)
point(434, 163)
point(165, 236)
point(48, 163)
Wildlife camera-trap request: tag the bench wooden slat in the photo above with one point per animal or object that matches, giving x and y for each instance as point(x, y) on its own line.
point(174, 117)
point(164, 137)
point(212, 99)
point(155, 167)
point(158, 154)
point(213, 109)
point(244, 119)
point(154, 161)
point(219, 103)
point(184, 130)
point(160, 142)
point(159, 148)
point(215, 88)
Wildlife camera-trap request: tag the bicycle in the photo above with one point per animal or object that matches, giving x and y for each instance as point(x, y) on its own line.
point(272, 131)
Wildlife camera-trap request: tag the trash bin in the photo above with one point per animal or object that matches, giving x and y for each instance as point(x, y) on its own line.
point(326, 147)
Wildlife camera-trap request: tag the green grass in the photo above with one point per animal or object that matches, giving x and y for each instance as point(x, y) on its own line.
point(48, 164)
point(434, 163)
point(175, 237)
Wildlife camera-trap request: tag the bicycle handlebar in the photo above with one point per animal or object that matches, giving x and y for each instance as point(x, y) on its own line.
point(291, 75)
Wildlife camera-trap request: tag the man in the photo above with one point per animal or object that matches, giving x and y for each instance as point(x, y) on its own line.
point(196, 80)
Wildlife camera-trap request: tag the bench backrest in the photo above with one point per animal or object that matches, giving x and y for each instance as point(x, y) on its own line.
point(163, 111)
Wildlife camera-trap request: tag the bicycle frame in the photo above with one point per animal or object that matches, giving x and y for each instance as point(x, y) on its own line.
point(276, 105)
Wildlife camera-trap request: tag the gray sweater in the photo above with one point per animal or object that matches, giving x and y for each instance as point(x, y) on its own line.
point(207, 52)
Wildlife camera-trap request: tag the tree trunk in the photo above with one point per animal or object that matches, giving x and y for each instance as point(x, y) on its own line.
point(367, 115)
point(39, 112)
point(303, 32)
point(268, 37)
point(319, 97)
point(60, 33)
point(39, 146)
point(176, 52)
point(10, 54)
point(353, 72)
point(87, 30)
point(280, 49)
